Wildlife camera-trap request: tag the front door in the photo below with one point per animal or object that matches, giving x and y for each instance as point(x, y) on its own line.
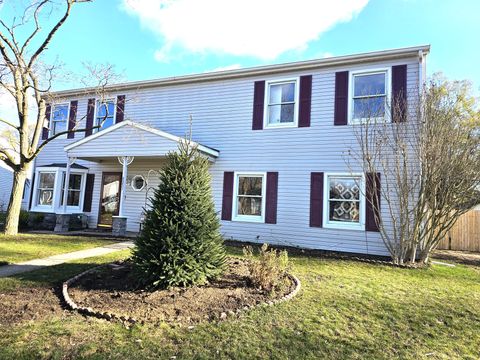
point(109, 198)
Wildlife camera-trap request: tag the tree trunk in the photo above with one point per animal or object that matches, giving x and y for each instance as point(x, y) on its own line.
point(15, 204)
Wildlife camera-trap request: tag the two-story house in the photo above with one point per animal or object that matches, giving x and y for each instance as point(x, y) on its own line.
point(275, 135)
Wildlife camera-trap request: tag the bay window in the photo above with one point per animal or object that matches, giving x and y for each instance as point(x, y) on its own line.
point(282, 103)
point(249, 197)
point(369, 94)
point(49, 184)
point(344, 201)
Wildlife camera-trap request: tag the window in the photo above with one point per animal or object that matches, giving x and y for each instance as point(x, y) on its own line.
point(48, 190)
point(344, 196)
point(138, 183)
point(74, 189)
point(105, 114)
point(46, 186)
point(282, 103)
point(369, 95)
point(59, 119)
point(249, 204)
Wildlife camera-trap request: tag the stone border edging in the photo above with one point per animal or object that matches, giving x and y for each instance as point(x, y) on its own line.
point(128, 319)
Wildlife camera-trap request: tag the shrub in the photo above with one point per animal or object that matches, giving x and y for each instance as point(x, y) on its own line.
point(180, 243)
point(269, 270)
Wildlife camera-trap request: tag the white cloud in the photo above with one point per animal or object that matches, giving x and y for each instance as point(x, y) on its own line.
point(259, 28)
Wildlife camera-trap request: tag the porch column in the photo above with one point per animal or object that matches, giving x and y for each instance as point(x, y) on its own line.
point(119, 226)
point(124, 161)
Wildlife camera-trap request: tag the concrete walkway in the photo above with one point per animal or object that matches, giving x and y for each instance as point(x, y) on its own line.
point(18, 268)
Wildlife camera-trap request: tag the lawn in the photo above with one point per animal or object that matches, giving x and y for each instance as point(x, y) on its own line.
point(346, 309)
point(32, 246)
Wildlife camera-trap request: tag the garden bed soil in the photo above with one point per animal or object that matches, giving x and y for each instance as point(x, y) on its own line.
point(29, 304)
point(114, 289)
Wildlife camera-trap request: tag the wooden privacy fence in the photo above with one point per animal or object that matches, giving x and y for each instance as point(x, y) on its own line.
point(465, 234)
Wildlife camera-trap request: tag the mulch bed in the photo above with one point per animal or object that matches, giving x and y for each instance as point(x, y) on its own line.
point(114, 289)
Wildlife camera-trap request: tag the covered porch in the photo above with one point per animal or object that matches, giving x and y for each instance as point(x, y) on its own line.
point(125, 160)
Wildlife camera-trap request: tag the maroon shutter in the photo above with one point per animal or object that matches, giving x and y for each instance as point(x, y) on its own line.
point(227, 199)
point(372, 206)
point(46, 129)
point(72, 119)
point(341, 98)
point(271, 198)
point(258, 105)
point(90, 115)
point(305, 101)
point(399, 93)
point(120, 113)
point(32, 184)
point(87, 200)
point(316, 199)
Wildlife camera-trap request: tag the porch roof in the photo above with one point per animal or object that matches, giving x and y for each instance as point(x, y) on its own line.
point(130, 139)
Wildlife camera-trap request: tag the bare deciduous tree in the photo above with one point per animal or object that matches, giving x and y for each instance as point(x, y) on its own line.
point(29, 81)
point(429, 165)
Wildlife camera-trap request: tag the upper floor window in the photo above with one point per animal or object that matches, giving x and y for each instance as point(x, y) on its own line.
point(344, 199)
point(249, 197)
point(45, 190)
point(369, 95)
point(59, 119)
point(282, 103)
point(105, 114)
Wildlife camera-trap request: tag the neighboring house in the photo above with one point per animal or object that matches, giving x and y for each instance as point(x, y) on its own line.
point(276, 137)
point(6, 181)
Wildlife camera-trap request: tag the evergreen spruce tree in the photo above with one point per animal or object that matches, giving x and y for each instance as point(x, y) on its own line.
point(180, 243)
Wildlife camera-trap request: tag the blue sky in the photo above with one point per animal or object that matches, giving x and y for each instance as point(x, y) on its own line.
point(157, 38)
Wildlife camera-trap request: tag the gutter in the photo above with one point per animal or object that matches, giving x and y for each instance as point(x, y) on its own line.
point(257, 71)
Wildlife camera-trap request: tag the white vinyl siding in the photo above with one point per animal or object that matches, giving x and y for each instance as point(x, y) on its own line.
point(222, 119)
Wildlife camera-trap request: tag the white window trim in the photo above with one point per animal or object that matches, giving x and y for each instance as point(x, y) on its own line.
point(249, 218)
point(132, 183)
point(266, 125)
point(388, 89)
point(56, 206)
point(97, 101)
point(51, 127)
point(326, 204)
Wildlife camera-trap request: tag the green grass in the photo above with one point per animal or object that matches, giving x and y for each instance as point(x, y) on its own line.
point(26, 247)
point(346, 309)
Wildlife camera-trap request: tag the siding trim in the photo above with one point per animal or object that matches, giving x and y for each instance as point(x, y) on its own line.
point(227, 197)
point(341, 98)
point(316, 199)
point(90, 115)
point(258, 105)
point(271, 198)
point(372, 211)
point(399, 93)
point(305, 106)
point(72, 119)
